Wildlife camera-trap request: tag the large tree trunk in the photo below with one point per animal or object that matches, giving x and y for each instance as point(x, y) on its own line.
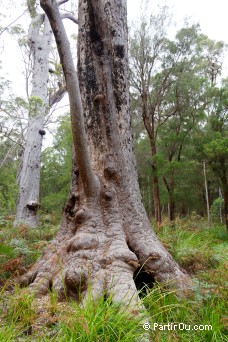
point(29, 177)
point(105, 235)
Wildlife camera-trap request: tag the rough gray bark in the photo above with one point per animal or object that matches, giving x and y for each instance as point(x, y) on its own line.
point(29, 178)
point(105, 235)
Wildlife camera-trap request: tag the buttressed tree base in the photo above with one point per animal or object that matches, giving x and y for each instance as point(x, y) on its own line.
point(105, 235)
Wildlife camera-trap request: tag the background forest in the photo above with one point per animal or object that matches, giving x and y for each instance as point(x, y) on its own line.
point(179, 113)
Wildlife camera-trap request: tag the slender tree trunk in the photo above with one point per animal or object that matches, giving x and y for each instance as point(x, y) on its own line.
point(220, 206)
point(170, 189)
point(156, 192)
point(105, 235)
point(226, 206)
point(225, 193)
point(206, 193)
point(224, 180)
point(172, 209)
point(149, 193)
point(157, 204)
point(150, 128)
point(29, 178)
point(171, 198)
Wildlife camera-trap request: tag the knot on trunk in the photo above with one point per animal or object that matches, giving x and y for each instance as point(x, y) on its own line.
point(76, 280)
point(82, 242)
point(108, 196)
point(98, 97)
point(69, 207)
point(42, 132)
point(76, 171)
point(110, 171)
point(33, 205)
point(81, 215)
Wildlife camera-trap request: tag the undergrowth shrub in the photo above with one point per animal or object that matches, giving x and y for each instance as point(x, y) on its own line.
point(21, 246)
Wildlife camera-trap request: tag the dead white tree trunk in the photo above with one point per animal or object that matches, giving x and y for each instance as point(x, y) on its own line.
point(40, 36)
point(39, 39)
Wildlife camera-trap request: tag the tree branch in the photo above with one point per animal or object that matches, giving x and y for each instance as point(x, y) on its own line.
point(57, 96)
point(166, 184)
point(6, 155)
point(89, 179)
point(69, 16)
point(5, 28)
point(59, 3)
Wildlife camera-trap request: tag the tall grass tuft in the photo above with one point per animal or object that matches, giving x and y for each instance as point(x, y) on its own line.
point(100, 321)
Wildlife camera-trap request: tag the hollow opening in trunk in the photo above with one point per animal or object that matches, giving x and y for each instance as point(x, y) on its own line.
point(144, 281)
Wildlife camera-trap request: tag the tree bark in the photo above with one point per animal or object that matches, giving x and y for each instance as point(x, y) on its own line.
point(105, 235)
point(29, 178)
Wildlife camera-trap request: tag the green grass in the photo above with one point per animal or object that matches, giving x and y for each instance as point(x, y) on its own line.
point(201, 311)
point(100, 321)
point(194, 246)
point(199, 249)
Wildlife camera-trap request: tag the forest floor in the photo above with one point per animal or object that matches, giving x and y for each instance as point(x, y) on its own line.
point(199, 249)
